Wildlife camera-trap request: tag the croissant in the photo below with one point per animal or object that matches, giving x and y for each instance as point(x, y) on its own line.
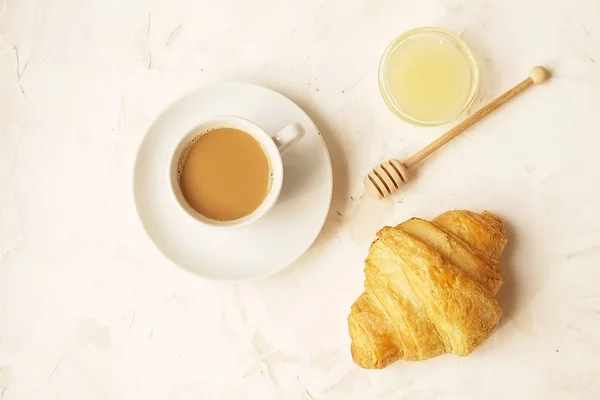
point(429, 289)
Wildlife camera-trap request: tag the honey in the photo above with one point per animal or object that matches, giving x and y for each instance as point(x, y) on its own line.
point(428, 76)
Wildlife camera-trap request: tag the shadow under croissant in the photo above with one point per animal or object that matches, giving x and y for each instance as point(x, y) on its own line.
point(509, 295)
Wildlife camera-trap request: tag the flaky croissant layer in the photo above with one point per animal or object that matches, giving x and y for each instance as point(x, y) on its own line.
point(429, 290)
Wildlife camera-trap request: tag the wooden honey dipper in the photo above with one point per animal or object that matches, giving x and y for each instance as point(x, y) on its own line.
point(387, 177)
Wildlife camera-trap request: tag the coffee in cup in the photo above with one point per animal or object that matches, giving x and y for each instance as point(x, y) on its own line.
point(228, 171)
point(225, 174)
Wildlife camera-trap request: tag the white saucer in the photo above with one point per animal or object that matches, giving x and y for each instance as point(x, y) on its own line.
point(266, 246)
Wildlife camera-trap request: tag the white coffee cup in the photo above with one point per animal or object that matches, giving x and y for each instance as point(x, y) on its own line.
point(273, 147)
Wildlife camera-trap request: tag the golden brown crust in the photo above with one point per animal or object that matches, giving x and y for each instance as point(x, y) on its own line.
point(429, 289)
point(482, 270)
point(484, 232)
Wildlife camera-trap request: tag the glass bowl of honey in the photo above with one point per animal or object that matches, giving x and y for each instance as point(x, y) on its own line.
point(428, 76)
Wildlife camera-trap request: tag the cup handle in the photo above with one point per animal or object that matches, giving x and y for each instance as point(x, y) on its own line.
point(288, 136)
